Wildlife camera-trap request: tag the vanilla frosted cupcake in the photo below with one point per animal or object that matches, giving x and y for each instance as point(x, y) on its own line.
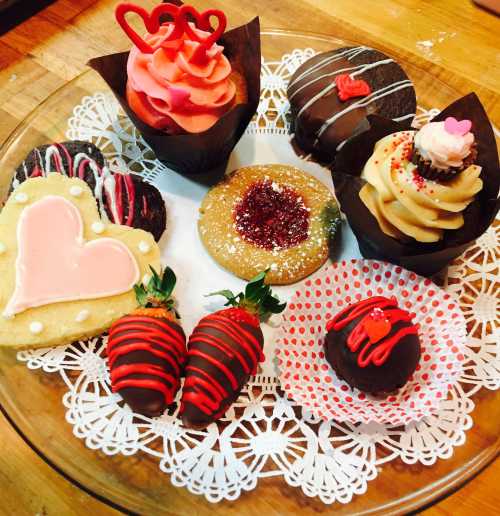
point(442, 149)
point(406, 204)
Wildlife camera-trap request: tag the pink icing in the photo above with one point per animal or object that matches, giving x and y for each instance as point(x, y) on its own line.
point(166, 86)
point(442, 148)
point(454, 126)
point(54, 263)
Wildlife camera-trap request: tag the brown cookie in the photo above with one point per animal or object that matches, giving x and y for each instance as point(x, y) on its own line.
point(272, 217)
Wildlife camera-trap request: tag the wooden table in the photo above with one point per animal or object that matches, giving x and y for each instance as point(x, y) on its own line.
point(459, 42)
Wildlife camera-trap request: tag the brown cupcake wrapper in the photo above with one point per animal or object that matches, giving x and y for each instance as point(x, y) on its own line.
point(425, 168)
point(202, 154)
point(423, 258)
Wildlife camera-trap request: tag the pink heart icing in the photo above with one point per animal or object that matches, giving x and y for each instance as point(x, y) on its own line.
point(54, 263)
point(453, 126)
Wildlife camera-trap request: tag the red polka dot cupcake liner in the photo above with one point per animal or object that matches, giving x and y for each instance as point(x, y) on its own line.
point(309, 379)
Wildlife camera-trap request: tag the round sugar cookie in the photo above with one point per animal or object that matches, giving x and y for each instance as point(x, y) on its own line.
point(272, 217)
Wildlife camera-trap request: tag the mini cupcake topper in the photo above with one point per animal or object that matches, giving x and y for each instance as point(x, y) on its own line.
point(454, 126)
point(348, 88)
point(184, 19)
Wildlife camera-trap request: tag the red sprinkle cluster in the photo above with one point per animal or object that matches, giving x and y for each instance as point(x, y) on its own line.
point(272, 216)
point(418, 180)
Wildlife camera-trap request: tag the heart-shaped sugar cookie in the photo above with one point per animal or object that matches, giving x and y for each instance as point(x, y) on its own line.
point(66, 274)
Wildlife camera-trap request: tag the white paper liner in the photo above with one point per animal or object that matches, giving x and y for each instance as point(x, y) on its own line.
point(308, 378)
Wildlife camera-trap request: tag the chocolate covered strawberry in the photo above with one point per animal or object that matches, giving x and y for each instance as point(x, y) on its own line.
point(223, 352)
point(147, 349)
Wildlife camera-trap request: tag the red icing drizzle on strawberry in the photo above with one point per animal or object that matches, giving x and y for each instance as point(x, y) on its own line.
point(378, 316)
point(159, 338)
point(233, 342)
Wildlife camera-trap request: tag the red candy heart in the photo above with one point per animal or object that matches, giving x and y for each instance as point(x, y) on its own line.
point(202, 21)
point(348, 88)
point(453, 126)
point(376, 329)
point(151, 22)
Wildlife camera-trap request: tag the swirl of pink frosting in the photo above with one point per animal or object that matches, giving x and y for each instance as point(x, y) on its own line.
point(442, 149)
point(169, 92)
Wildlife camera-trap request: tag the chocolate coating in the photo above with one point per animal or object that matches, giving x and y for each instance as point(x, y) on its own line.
point(145, 401)
point(389, 376)
point(314, 100)
point(192, 409)
point(148, 207)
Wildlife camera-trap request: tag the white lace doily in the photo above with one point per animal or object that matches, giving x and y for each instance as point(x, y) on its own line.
point(264, 434)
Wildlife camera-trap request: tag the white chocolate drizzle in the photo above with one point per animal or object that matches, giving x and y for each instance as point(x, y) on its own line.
point(353, 71)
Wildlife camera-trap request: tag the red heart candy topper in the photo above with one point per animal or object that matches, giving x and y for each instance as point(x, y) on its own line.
point(348, 88)
point(181, 19)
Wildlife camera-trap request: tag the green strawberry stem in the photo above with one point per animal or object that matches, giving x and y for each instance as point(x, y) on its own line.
point(258, 298)
point(158, 292)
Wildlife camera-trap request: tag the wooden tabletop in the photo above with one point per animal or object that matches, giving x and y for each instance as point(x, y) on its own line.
point(458, 40)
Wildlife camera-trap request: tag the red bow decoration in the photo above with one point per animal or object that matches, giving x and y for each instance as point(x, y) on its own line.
point(348, 88)
point(181, 17)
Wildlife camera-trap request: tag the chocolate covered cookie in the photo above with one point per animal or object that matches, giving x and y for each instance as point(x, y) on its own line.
point(332, 93)
point(122, 198)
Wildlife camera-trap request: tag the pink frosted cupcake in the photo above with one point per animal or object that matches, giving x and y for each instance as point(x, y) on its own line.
point(443, 149)
point(189, 86)
point(171, 91)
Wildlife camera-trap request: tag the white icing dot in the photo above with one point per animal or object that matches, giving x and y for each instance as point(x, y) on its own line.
point(3, 248)
point(144, 247)
point(76, 191)
point(21, 197)
point(98, 227)
point(146, 278)
point(36, 327)
point(82, 316)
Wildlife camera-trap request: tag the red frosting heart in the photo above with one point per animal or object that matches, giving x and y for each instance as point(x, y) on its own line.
point(376, 329)
point(151, 22)
point(348, 88)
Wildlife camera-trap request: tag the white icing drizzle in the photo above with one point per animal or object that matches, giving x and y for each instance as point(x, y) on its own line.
point(363, 102)
point(348, 54)
point(3, 248)
point(76, 191)
point(82, 316)
point(53, 163)
point(404, 117)
point(36, 327)
point(144, 247)
point(21, 198)
point(98, 227)
point(356, 70)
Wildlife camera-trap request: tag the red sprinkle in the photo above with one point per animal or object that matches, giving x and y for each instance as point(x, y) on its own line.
point(418, 180)
point(271, 216)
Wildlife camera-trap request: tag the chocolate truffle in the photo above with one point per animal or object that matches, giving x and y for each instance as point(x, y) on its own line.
point(373, 345)
point(145, 357)
point(222, 355)
point(332, 93)
point(122, 198)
